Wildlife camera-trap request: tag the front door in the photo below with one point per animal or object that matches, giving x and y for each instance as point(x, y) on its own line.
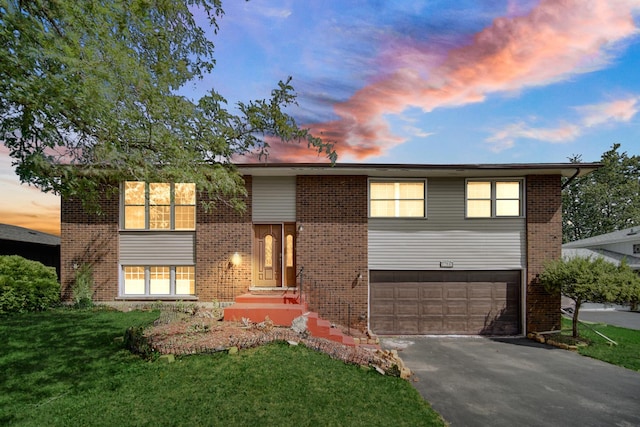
point(273, 253)
point(267, 255)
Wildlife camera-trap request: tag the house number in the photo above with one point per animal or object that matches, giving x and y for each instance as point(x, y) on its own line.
point(446, 264)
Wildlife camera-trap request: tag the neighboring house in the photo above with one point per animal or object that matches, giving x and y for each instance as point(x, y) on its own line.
point(414, 249)
point(30, 244)
point(613, 247)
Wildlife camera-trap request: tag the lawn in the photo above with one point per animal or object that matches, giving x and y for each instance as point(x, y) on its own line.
point(625, 354)
point(67, 367)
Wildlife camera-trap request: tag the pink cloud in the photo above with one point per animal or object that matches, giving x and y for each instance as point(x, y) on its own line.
point(505, 138)
point(555, 40)
point(622, 110)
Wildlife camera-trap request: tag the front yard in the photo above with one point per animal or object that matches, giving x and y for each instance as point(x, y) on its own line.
point(625, 354)
point(67, 367)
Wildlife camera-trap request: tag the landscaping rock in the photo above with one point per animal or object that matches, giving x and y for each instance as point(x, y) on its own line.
point(299, 324)
point(405, 373)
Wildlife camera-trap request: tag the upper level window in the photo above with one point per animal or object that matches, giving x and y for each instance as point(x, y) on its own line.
point(397, 199)
point(494, 198)
point(159, 206)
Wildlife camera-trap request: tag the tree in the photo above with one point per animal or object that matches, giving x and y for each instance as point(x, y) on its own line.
point(589, 280)
point(88, 98)
point(605, 200)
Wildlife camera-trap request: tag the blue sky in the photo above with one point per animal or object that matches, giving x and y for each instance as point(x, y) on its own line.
point(430, 81)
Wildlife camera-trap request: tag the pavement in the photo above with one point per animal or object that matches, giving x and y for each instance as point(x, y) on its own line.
point(614, 316)
point(476, 381)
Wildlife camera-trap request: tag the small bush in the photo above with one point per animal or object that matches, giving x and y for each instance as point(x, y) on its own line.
point(82, 289)
point(27, 285)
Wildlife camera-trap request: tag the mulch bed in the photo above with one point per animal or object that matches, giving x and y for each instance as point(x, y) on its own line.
point(200, 333)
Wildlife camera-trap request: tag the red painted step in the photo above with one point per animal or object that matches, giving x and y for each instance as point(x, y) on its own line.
point(282, 308)
point(321, 328)
point(280, 298)
point(280, 314)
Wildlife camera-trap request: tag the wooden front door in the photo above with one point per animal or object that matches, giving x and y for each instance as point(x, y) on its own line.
point(267, 255)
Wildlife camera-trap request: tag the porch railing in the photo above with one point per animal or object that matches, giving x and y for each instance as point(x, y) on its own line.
point(320, 298)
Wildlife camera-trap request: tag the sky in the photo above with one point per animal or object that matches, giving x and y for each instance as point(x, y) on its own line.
point(429, 82)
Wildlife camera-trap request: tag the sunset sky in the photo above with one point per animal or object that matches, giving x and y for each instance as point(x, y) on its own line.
point(424, 81)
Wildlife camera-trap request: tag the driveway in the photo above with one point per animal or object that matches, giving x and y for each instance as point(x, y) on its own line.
point(473, 381)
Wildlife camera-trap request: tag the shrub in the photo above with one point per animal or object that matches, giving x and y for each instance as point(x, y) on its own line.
point(27, 285)
point(82, 289)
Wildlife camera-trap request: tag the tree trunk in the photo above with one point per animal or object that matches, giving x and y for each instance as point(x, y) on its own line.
point(576, 310)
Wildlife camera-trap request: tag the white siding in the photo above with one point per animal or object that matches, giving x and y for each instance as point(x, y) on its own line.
point(148, 248)
point(274, 199)
point(445, 235)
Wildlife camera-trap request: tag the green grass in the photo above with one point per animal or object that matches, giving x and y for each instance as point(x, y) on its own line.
point(64, 368)
point(625, 354)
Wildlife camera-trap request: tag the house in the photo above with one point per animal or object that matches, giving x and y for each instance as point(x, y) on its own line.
point(402, 249)
point(30, 244)
point(613, 247)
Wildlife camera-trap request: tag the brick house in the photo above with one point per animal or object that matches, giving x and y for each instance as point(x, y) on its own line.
point(399, 249)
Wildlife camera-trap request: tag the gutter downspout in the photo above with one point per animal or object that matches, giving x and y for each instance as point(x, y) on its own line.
point(571, 179)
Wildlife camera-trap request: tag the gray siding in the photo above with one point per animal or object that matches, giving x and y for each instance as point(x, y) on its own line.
point(162, 248)
point(274, 199)
point(621, 248)
point(445, 235)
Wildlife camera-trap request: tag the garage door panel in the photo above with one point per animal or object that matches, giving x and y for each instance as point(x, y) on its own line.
point(383, 291)
point(482, 309)
point(453, 308)
point(407, 292)
point(386, 308)
point(408, 324)
point(455, 291)
point(456, 324)
point(432, 291)
point(430, 308)
point(488, 303)
point(386, 325)
point(484, 290)
point(407, 308)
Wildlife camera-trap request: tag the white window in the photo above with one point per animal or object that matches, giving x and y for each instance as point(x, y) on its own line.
point(397, 199)
point(157, 280)
point(159, 206)
point(494, 198)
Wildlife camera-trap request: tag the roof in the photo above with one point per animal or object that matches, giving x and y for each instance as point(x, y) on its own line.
point(626, 235)
point(21, 234)
point(610, 256)
point(431, 170)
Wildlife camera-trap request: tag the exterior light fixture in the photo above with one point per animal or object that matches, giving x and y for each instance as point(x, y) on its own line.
point(236, 259)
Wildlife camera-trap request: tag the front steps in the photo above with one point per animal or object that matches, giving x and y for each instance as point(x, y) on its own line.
point(282, 307)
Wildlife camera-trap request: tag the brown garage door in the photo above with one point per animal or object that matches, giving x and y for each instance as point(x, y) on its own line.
point(445, 302)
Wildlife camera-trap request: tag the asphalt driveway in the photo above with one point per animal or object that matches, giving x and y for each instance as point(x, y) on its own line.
point(473, 381)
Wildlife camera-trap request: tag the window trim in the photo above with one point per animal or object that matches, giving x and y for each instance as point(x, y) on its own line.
point(147, 282)
point(493, 197)
point(394, 181)
point(147, 208)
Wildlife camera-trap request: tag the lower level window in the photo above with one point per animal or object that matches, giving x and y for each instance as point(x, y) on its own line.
point(158, 280)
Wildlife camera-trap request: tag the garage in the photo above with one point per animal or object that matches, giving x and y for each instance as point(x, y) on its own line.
point(445, 302)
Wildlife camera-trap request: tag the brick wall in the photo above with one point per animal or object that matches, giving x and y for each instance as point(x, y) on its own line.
point(332, 245)
point(90, 239)
point(544, 242)
point(222, 231)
